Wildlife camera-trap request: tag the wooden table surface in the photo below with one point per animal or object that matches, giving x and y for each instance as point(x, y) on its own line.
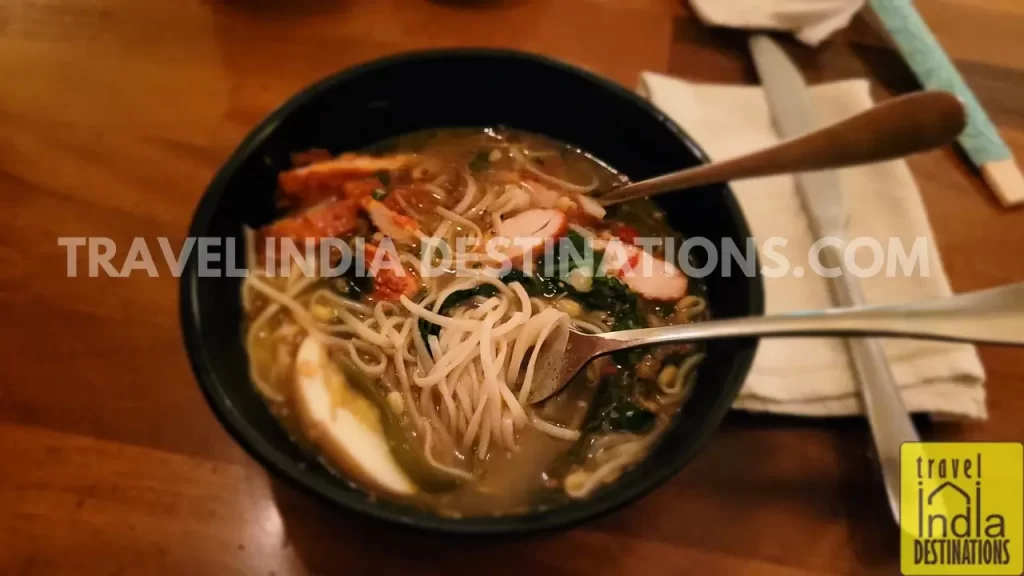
point(114, 115)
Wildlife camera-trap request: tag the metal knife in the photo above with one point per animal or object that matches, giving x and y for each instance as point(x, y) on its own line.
point(790, 104)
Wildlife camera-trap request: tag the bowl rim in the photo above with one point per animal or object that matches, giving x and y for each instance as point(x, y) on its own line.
point(291, 471)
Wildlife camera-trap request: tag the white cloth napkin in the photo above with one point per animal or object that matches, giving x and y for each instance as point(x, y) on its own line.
point(813, 377)
point(811, 21)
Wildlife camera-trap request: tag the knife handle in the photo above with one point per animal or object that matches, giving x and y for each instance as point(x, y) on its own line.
point(888, 417)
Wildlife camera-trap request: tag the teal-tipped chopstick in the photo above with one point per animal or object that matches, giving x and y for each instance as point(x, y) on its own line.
point(935, 70)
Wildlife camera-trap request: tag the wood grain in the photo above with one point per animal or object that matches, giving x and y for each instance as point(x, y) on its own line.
point(114, 114)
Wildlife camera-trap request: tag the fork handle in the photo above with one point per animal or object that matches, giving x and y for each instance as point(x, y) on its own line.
point(896, 127)
point(994, 316)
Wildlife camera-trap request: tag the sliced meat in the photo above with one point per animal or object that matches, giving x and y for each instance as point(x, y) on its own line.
point(311, 156)
point(361, 188)
point(313, 183)
point(391, 280)
point(647, 275)
point(343, 423)
point(654, 278)
point(390, 223)
point(331, 219)
point(527, 232)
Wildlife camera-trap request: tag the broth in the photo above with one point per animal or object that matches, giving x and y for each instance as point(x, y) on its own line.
point(409, 380)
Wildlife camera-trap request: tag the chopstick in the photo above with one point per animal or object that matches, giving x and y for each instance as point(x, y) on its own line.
point(935, 70)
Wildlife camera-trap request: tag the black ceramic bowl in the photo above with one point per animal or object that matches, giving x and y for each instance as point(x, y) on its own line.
point(423, 90)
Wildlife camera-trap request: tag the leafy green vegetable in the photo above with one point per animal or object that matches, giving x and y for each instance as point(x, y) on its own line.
point(629, 417)
point(480, 162)
point(606, 293)
point(612, 296)
point(567, 255)
point(579, 243)
point(516, 275)
point(538, 285)
point(384, 176)
point(379, 194)
point(614, 410)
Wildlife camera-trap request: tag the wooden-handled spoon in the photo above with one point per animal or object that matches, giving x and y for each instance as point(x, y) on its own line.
point(897, 127)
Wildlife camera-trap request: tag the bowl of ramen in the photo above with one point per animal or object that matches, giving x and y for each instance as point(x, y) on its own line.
point(402, 239)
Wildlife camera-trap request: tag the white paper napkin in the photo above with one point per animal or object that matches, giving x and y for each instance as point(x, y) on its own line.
point(813, 377)
point(811, 21)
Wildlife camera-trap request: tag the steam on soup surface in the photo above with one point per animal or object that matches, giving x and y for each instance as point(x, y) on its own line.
point(411, 379)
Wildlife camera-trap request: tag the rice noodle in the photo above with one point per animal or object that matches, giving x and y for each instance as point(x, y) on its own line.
point(691, 306)
point(461, 372)
point(564, 184)
point(675, 390)
point(461, 221)
point(256, 328)
point(555, 431)
point(467, 198)
point(483, 203)
point(513, 199)
point(428, 452)
point(436, 191)
point(409, 210)
point(443, 321)
point(342, 302)
point(620, 456)
point(464, 373)
point(589, 327)
point(374, 370)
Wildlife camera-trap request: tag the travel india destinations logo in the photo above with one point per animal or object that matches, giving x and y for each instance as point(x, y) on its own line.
point(962, 508)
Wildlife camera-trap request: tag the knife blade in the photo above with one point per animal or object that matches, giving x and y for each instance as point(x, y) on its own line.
point(821, 194)
point(793, 113)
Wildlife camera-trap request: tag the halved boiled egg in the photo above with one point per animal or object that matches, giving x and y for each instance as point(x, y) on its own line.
point(343, 423)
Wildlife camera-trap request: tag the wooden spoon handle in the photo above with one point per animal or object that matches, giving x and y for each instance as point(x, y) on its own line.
point(897, 127)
